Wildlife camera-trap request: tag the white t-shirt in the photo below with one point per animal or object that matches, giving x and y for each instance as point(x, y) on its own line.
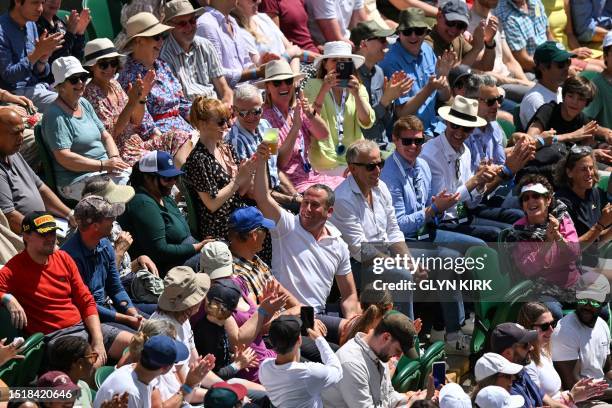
point(572, 340)
point(534, 98)
point(273, 35)
point(299, 385)
point(545, 376)
point(499, 68)
point(328, 9)
point(183, 333)
point(122, 380)
point(168, 384)
point(304, 266)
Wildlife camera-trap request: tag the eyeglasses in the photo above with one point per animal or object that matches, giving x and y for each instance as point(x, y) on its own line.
point(466, 129)
point(371, 166)
point(579, 150)
point(409, 141)
point(222, 122)
point(158, 37)
point(563, 64)
point(491, 101)
point(277, 83)
point(184, 24)
point(419, 31)
point(456, 24)
point(545, 326)
point(77, 78)
point(528, 196)
point(245, 113)
point(108, 63)
point(583, 302)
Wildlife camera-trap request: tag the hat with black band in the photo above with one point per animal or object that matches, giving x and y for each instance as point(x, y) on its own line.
point(100, 48)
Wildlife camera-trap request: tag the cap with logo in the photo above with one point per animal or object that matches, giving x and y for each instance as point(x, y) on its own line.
point(551, 51)
point(367, 30)
point(217, 260)
point(506, 335)
point(162, 351)
point(160, 163)
point(285, 331)
point(38, 221)
point(247, 219)
point(57, 380)
point(492, 363)
point(225, 395)
point(456, 10)
point(226, 292)
point(494, 396)
point(183, 288)
point(93, 207)
point(412, 17)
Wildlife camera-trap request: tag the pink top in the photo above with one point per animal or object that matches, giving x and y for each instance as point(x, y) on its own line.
point(295, 168)
point(558, 264)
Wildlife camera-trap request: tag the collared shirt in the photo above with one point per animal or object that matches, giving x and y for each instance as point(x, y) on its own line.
point(459, 44)
point(246, 144)
point(410, 189)
point(419, 68)
point(487, 142)
point(588, 14)
point(374, 82)
point(523, 385)
point(16, 43)
point(523, 30)
point(444, 163)
point(365, 381)
point(231, 48)
point(19, 186)
point(360, 223)
point(254, 273)
point(99, 272)
point(341, 11)
point(196, 68)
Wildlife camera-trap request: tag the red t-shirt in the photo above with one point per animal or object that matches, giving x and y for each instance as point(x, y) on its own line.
point(293, 21)
point(53, 295)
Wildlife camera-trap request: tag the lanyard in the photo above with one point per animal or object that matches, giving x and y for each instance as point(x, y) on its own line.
point(305, 163)
point(340, 149)
point(413, 183)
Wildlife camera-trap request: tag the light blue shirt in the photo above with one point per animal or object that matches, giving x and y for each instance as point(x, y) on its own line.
point(487, 143)
point(588, 14)
point(419, 68)
point(410, 188)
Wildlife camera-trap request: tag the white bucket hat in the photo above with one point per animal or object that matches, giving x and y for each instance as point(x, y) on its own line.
point(339, 49)
point(464, 112)
point(98, 49)
point(65, 67)
point(177, 8)
point(144, 25)
point(278, 70)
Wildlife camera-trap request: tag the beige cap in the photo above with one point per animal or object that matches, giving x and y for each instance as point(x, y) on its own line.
point(217, 260)
point(183, 289)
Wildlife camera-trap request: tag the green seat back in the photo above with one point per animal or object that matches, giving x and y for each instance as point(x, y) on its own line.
point(101, 374)
point(105, 18)
point(508, 128)
point(603, 183)
point(518, 126)
point(407, 376)
point(434, 353)
point(34, 351)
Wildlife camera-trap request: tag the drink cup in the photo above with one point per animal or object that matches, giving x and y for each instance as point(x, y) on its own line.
point(270, 136)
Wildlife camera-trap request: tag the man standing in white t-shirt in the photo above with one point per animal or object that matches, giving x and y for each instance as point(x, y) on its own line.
point(330, 20)
point(308, 251)
point(581, 341)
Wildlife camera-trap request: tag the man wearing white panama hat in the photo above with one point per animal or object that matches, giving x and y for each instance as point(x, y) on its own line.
point(193, 59)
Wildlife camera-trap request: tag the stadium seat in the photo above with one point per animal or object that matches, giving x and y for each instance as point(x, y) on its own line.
point(407, 375)
point(508, 128)
point(101, 374)
point(105, 18)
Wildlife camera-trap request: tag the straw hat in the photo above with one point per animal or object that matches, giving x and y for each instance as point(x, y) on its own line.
point(65, 67)
point(339, 49)
point(97, 49)
point(464, 112)
point(278, 70)
point(144, 25)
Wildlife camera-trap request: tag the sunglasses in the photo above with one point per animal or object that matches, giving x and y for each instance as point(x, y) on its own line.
point(579, 150)
point(409, 141)
point(184, 24)
point(108, 63)
point(245, 113)
point(169, 179)
point(583, 302)
point(371, 166)
point(456, 24)
point(419, 31)
point(78, 78)
point(545, 326)
point(222, 122)
point(528, 196)
point(158, 37)
point(466, 129)
point(278, 82)
point(563, 64)
point(491, 101)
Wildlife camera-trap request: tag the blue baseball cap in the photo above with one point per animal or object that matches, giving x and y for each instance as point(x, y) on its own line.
point(162, 351)
point(247, 219)
point(160, 163)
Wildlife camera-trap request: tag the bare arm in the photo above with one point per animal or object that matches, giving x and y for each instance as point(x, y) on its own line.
point(511, 62)
point(572, 41)
point(331, 30)
point(52, 202)
point(223, 90)
point(486, 62)
point(524, 59)
point(358, 16)
point(567, 372)
point(213, 204)
point(348, 293)
point(14, 219)
point(430, 11)
point(245, 334)
point(265, 202)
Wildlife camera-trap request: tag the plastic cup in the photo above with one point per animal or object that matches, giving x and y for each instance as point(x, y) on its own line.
point(270, 136)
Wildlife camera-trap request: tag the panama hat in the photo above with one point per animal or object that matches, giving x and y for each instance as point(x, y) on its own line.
point(178, 8)
point(98, 49)
point(464, 112)
point(144, 25)
point(278, 70)
point(339, 49)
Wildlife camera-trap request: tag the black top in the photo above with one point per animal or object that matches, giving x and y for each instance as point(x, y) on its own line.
point(549, 115)
point(73, 44)
point(210, 338)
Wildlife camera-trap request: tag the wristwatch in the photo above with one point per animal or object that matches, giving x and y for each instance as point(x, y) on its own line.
point(493, 44)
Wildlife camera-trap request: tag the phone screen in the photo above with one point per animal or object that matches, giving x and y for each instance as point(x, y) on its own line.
point(307, 317)
point(438, 373)
point(345, 69)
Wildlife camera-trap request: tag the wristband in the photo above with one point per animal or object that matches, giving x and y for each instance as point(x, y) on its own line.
point(186, 389)
point(71, 213)
point(305, 57)
point(254, 73)
point(286, 56)
point(101, 166)
point(490, 47)
point(262, 312)
point(434, 208)
point(235, 366)
point(142, 101)
point(6, 298)
point(541, 140)
point(555, 139)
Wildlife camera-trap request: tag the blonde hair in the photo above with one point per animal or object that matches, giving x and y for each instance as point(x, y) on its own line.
point(149, 329)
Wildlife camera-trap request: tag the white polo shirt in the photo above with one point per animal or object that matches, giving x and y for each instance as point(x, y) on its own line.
point(122, 380)
point(304, 266)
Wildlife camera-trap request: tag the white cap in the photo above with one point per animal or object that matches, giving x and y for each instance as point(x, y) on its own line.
point(217, 260)
point(493, 363)
point(65, 67)
point(607, 41)
point(453, 396)
point(497, 397)
point(535, 187)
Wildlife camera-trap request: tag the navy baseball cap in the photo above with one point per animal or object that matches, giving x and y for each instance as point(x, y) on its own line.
point(247, 219)
point(160, 163)
point(162, 351)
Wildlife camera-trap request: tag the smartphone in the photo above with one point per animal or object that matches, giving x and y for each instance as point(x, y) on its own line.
point(345, 69)
point(307, 317)
point(438, 373)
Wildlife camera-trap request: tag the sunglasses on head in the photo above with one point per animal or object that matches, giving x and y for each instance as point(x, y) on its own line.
point(580, 150)
point(409, 141)
point(191, 22)
point(466, 129)
point(491, 101)
point(371, 166)
point(108, 63)
point(278, 82)
point(545, 326)
point(583, 302)
point(419, 31)
point(78, 78)
point(528, 196)
point(245, 113)
point(456, 24)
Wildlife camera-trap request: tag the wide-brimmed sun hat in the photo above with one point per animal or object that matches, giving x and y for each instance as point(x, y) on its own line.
point(278, 70)
point(144, 25)
point(339, 49)
point(100, 48)
point(464, 112)
point(178, 8)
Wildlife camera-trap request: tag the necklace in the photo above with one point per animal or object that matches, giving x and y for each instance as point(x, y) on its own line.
point(73, 108)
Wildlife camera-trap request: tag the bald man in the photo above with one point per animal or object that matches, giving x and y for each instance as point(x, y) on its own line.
point(21, 190)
